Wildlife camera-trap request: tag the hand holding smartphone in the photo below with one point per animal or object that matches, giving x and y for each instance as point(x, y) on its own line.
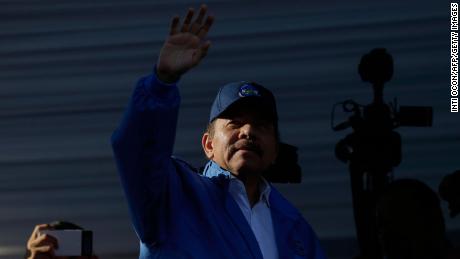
point(60, 240)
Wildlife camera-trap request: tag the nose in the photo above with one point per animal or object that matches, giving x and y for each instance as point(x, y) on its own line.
point(247, 131)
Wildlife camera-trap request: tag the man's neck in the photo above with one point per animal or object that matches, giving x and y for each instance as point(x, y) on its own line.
point(251, 184)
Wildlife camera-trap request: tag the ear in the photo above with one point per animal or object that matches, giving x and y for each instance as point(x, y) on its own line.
point(206, 143)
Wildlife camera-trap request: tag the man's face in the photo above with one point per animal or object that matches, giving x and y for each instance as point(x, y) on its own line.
point(243, 141)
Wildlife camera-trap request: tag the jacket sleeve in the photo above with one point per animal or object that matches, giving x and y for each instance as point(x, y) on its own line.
point(142, 146)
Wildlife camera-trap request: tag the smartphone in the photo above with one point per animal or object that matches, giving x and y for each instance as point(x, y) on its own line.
point(72, 242)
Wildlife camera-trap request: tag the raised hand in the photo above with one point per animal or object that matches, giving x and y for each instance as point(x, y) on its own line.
point(185, 47)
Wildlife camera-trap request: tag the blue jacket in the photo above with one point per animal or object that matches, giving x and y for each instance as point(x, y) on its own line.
point(178, 213)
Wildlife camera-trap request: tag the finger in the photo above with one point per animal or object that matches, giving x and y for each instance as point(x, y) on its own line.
point(199, 20)
point(206, 27)
point(187, 21)
point(36, 232)
point(35, 242)
point(38, 228)
point(201, 14)
point(44, 240)
point(174, 25)
point(41, 242)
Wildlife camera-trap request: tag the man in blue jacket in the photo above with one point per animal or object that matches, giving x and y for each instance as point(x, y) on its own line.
point(230, 211)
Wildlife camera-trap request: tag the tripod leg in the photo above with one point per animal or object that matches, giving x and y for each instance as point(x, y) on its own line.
point(364, 207)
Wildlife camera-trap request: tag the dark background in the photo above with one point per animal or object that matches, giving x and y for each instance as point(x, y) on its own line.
point(67, 69)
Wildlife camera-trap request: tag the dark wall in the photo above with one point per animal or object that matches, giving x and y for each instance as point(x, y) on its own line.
point(67, 70)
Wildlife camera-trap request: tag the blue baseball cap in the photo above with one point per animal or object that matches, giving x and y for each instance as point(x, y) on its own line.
point(231, 94)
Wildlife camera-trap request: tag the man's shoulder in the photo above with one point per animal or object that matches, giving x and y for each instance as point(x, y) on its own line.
point(197, 173)
point(184, 164)
point(210, 187)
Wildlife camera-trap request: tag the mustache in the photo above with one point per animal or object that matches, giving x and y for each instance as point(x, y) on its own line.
point(246, 145)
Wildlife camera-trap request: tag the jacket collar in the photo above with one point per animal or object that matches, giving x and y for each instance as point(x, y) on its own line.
point(212, 169)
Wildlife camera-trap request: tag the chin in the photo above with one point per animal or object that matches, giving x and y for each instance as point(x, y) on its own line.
point(245, 163)
point(248, 168)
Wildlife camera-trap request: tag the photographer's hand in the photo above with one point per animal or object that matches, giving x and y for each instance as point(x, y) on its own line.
point(185, 47)
point(41, 246)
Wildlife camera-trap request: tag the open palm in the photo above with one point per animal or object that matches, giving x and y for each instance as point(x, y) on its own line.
point(184, 49)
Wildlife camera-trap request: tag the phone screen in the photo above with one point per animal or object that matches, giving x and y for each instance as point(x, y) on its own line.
point(72, 242)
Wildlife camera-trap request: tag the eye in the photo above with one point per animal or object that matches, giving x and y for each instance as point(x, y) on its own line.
point(264, 124)
point(234, 124)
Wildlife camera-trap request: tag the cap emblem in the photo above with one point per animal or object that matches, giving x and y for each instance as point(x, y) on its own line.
point(248, 90)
